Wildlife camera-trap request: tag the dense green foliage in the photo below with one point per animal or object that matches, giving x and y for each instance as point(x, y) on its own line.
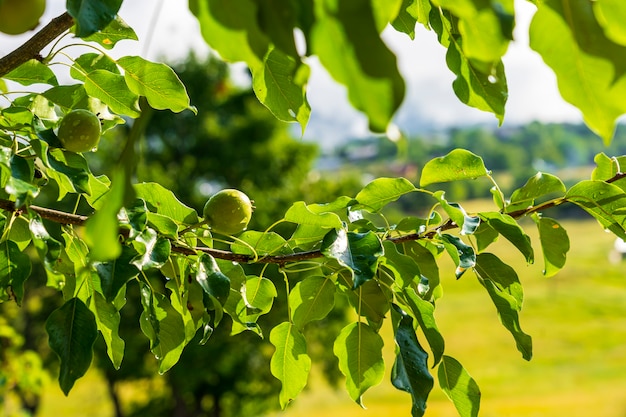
point(125, 235)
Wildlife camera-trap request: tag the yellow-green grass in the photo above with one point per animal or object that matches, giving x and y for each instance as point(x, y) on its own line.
point(577, 320)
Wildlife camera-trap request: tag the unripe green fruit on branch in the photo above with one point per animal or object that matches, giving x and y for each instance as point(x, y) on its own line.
point(228, 211)
point(19, 16)
point(79, 131)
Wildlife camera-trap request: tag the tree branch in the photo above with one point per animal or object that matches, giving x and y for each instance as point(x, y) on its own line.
point(33, 46)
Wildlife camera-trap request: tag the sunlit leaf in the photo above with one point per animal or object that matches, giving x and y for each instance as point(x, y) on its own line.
point(382, 191)
point(108, 322)
point(117, 30)
point(459, 386)
point(459, 164)
point(112, 89)
point(290, 362)
point(211, 278)
point(299, 213)
point(345, 38)
point(508, 227)
point(554, 244)
point(359, 350)
point(15, 268)
point(115, 273)
point(164, 202)
point(424, 312)
point(311, 299)
point(32, 72)
point(489, 266)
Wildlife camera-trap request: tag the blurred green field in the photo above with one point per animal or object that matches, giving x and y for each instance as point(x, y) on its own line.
point(577, 320)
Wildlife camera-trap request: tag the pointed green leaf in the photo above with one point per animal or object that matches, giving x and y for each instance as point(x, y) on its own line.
point(164, 326)
point(92, 15)
point(410, 370)
point(507, 307)
point(117, 30)
point(259, 294)
point(299, 213)
point(424, 312)
point(15, 268)
point(406, 271)
point(537, 186)
point(370, 300)
point(508, 227)
point(406, 19)
point(261, 243)
point(92, 61)
point(163, 201)
point(589, 67)
point(359, 350)
point(359, 252)
point(290, 363)
point(605, 202)
point(311, 299)
point(458, 215)
point(32, 72)
point(157, 82)
point(610, 15)
point(459, 386)
point(72, 332)
point(459, 164)
point(280, 84)
point(108, 322)
point(382, 191)
point(429, 268)
point(346, 39)
point(489, 266)
point(554, 244)
point(112, 90)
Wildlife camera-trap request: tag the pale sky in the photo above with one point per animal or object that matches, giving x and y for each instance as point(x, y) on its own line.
point(429, 100)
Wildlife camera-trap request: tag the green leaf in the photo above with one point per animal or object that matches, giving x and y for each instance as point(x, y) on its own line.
point(359, 252)
point(49, 249)
point(485, 235)
point(163, 326)
point(424, 312)
point(507, 307)
point(232, 30)
point(410, 370)
point(311, 299)
point(359, 350)
point(164, 202)
point(537, 186)
point(508, 227)
point(468, 224)
point(108, 322)
point(290, 363)
point(116, 273)
point(478, 85)
point(382, 191)
point(153, 250)
point(459, 386)
point(610, 15)
point(117, 30)
point(280, 84)
point(32, 72)
point(489, 266)
point(67, 96)
point(429, 268)
point(102, 229)
point(277, 19)
point(72, 332)
point(163, 224)
point(211, 278)
point(589, 67)
point(554, 244)
point(486, 29)
point(261, 243)
point(461, 253)
point(92, 16)
point(259, 294)
point(112, 90)
point(406, 19)
point(459, 164)
point(605, 202)
point(346, 39)
point(370, 300)
point(92, 61)
point(300, 213)
point(15, 268)
point(157, 82)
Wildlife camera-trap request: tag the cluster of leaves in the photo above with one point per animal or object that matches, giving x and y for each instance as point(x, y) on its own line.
point(582, 41)
point(189, 280)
